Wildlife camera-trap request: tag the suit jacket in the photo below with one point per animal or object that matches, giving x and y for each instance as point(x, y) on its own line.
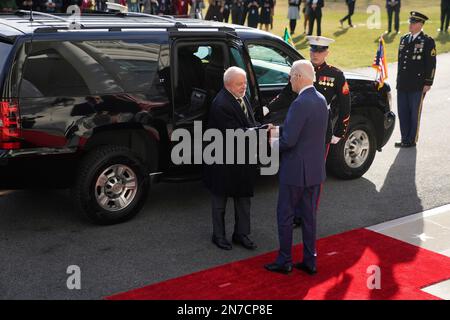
point(234, 180)
point(320, 3)
point(388, 3)
point(302, 140)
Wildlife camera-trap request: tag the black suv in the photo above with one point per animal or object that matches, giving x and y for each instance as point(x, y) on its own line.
point(93, 107)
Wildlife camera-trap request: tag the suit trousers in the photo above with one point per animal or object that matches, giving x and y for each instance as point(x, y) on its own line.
point(315, 15)
point(396, 11)
point(409, 104)
point(241, 215)
point(305, 200)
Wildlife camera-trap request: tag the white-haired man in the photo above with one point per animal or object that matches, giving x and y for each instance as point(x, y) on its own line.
point(231, 110)
point(302, 168)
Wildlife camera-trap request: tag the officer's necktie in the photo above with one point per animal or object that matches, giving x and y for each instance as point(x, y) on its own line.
point(243, 106)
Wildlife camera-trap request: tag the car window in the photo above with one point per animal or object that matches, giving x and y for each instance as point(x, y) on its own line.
point(90, 68)
point(271, 64)
point(5, 49)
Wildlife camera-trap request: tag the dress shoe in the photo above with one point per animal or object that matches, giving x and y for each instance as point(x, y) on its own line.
point(297, 222)
point(222, 243)
point(244, 241)
point(305, 268)
point(405, 144)
point(275, 267)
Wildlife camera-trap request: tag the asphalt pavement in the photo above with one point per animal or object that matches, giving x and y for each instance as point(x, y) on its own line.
point(41, 233)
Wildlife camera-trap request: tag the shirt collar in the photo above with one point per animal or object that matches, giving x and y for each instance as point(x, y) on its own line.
point(414, 36)
point(307, 87)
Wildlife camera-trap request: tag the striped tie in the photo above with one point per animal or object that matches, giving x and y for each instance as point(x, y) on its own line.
point(243, 106)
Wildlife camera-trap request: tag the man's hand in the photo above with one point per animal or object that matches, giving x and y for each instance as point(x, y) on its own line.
point(270, 126)
point(314, 6)
point(426, 89)
point(335, 140)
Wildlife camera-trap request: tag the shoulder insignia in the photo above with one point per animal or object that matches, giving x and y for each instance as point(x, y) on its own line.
point(345, 89)
point(433, 52)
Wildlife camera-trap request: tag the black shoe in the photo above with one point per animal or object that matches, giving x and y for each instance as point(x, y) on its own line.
point(275, 267)
point(342, 24)
point(305, 268)
point(405, 144)
point(297, 222)
point(244, 241)
point(222, 243)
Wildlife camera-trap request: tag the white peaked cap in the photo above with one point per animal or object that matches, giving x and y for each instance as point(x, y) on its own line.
point(319, 41)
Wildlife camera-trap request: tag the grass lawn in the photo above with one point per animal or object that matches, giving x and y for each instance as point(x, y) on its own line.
point(356, 47)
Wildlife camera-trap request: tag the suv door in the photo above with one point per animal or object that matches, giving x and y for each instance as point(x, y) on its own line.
point(271, 62)
point(190, 53)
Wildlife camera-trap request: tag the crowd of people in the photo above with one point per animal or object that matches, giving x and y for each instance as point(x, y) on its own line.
point(249, 12)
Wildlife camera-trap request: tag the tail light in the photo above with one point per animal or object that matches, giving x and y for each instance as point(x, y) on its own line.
point(9, 124)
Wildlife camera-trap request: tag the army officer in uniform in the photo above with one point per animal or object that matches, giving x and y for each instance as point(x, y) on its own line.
point(416, 68)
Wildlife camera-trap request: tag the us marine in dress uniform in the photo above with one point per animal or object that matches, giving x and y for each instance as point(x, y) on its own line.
point(416, 68)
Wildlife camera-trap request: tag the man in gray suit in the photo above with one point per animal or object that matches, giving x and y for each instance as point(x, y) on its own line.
point(302, 168)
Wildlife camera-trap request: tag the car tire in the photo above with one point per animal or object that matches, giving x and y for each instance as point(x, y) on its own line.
point(353, 156)
point(111, 186)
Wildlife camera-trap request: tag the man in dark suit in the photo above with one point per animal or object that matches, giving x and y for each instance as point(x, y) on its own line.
point(314, 12)
point(302, 168)
point(393, 7)
point(415, 76)
point(445, 15)
point(231, 110)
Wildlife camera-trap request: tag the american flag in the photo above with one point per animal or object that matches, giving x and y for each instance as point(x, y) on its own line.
point(380, 64)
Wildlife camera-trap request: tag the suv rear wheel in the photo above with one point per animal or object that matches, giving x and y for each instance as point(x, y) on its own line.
point(353, 156)
point(112, 185)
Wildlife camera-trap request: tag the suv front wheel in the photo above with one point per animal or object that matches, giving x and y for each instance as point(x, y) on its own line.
point(353, 156)
point(111, 186)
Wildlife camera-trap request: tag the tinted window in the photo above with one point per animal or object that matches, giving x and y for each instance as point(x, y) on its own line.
point(271, 65)
point(5, 48)
point(90, 68)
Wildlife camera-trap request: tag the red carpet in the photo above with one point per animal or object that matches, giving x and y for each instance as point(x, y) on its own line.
point(342, 274)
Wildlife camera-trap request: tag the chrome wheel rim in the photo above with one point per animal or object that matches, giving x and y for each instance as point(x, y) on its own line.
point(116, 187)
point(357, 148)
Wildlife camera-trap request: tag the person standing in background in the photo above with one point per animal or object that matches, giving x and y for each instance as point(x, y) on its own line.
point(393, 7)
point(253, 14)
point(237, 12)
point(215, 10)
point(293, 14)
point(351, 10)
point(266, 11)
point(272, 13)
point(227, 10)
point(415, 76)
point(305, 16)
point(445, 15)
point(314, 11)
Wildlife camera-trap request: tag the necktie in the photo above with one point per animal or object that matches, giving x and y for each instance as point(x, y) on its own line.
point(243, 106)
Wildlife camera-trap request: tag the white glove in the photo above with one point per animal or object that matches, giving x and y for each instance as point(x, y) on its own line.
point(335, 140)
point(265, 111)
